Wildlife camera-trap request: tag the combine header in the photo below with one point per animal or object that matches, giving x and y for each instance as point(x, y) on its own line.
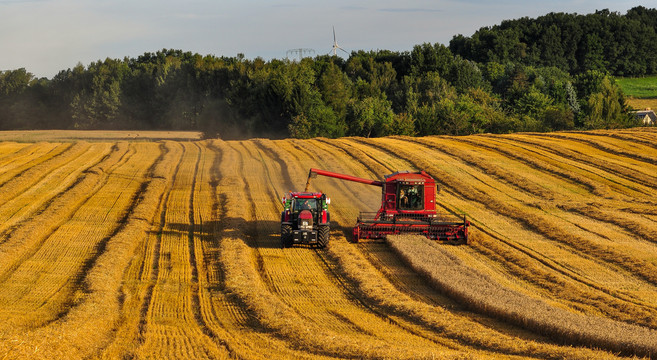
point(408, 206)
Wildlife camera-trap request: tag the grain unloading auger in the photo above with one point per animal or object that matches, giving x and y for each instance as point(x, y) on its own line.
point(408, 206)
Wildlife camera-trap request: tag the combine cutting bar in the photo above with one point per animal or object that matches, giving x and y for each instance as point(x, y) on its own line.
point(435, 229)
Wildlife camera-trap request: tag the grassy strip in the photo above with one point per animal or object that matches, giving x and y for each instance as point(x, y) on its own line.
point(480, 293)
point(640, 87)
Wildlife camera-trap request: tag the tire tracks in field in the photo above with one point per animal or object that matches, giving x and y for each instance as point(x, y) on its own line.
point(249, 237)
point(330, 267)
point(26, 158)
point(388, 299)
point(621, 171)
point(176, 276)
point(32, 199)
point(89, 324)
point(196, 303)
point(129, 213)
point(28, 236)
point(326, 266)
point(562, 270)
point(34, 174)
point(508, 179)
point(70, 277)
point(204, 313)
point(154, 268)
point(606, 147)
point(136, 311)
point(251, 335)
point(392, 152)
point(412, 325)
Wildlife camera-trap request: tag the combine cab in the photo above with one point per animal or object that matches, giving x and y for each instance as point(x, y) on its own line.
point(305, 219)
point(408, 206)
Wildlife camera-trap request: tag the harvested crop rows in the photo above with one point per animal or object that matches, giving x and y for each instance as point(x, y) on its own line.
point(170, 249)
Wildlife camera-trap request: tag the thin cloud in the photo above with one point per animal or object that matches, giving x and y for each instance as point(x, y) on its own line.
point(285, 6)
point(11, 2)
point(410, 10)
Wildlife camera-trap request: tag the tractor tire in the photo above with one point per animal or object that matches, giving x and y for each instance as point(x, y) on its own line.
point(323, 236)
point(286, 236)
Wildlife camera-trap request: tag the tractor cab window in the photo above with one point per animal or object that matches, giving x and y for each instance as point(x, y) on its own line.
point(410, 197)
point(304, 204)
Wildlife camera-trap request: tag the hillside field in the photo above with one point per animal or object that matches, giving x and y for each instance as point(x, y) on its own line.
point(161, 245)
point(640, 92)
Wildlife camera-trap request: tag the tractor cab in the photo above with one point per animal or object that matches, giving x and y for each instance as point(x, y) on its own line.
point(300, 204)
point(305, 219)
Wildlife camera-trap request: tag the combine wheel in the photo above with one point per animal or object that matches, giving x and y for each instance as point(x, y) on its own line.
point(286, 236)
point(323, 236)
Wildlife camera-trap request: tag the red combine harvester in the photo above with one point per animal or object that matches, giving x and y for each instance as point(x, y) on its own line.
point(408, 206)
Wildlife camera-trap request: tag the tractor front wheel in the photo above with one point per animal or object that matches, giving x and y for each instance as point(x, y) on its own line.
point(323, 236)
point(286, 236)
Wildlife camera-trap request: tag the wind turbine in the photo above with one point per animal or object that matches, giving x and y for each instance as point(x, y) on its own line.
point(336, 46)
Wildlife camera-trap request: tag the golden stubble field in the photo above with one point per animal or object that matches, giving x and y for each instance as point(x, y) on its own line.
point(160, 245)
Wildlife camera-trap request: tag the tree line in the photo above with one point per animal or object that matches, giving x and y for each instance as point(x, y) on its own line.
point(432, 89)
point(623, 45)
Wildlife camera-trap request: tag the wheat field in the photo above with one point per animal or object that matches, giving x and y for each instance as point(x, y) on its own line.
point(165, 246)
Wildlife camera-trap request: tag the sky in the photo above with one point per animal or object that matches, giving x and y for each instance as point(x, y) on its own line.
point(47, 36)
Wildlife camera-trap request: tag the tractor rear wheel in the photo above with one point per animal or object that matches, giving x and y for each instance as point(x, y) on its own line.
point(286, 236)
point(323, 236)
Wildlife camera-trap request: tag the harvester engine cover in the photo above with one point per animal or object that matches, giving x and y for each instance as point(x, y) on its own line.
point(305, 219)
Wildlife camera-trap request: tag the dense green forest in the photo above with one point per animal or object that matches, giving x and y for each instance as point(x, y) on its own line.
point(623, 45)
point(550, 73)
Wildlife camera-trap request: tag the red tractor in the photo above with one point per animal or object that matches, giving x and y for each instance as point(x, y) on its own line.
point(408, 206)
point(305, 219)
